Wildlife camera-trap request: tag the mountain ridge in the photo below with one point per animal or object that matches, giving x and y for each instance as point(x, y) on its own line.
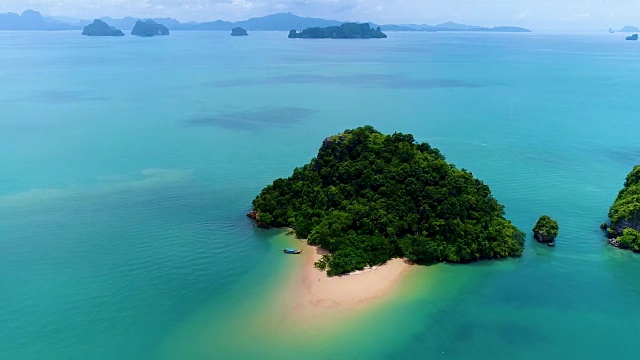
point(33, 20)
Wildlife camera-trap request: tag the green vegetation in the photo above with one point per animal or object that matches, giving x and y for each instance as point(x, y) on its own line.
point(625, 211)
point(546, 229)
point(344, 31)
point(630, 239)
point(624, 230)
point(369, 197)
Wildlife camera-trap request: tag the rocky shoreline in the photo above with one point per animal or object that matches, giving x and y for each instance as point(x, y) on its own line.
point(623, 227)
point(615, 242)
point(253, 214)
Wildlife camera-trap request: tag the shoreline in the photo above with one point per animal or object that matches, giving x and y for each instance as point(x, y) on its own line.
point(312, 293)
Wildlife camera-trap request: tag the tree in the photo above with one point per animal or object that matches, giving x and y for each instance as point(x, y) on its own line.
point(546, 229)
point(369, 197)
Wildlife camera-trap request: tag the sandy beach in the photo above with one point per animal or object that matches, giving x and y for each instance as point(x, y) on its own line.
point(313, 293)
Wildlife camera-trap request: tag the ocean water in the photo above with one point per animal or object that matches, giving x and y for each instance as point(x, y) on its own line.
point(127, 166)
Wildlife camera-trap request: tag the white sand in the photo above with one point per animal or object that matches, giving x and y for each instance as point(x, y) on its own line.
point(314, 293)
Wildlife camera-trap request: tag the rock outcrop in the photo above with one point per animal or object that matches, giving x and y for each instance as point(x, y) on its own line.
point(633, 37)
point(149, 28)
point(101, 28)
point(632, 223)
point(253, 214)
point(546, 230)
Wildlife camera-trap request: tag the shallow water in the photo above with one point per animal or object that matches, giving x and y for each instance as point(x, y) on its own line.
point(128, 165)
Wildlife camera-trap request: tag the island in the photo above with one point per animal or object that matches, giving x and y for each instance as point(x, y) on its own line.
point(101, 28)
point(627, 29)
point(633, 37)
point(149, 28)
point(624, 215)
point(368, 198)
point(238, 31)
point(344, 31)
point(546, 230)
point(452, 26)
point(32, 20)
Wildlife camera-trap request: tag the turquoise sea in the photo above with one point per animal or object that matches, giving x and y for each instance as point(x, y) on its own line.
point(127, 166)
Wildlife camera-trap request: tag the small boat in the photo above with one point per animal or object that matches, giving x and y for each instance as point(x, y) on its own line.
point(551, 244)
point(292, 251)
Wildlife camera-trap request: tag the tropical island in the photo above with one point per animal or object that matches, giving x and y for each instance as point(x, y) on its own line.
point(633, 37)
point(344, 31)
point(101, 28)
point(149, 28)
point(238, 31)
point(368, 198)
point(624, 215)
point(546, 230)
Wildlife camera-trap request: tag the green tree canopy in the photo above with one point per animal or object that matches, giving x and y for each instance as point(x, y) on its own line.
point(369, 197)
point(546, 229)
point(630, 239)
point(626, 207)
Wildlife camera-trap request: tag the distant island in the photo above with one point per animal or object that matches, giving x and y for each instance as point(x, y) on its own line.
point(453, 27)
point(149, 28)
point(344, 31)
point(633, 37)
point(369, 197)
point(238, 31)
point(33, 20)
point(101, 28)
point(626, 29)
point(624, 214)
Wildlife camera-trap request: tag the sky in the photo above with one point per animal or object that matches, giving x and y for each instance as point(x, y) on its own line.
point(537, 14)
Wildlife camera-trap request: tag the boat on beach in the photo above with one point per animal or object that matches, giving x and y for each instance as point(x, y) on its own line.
point(292, 251)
